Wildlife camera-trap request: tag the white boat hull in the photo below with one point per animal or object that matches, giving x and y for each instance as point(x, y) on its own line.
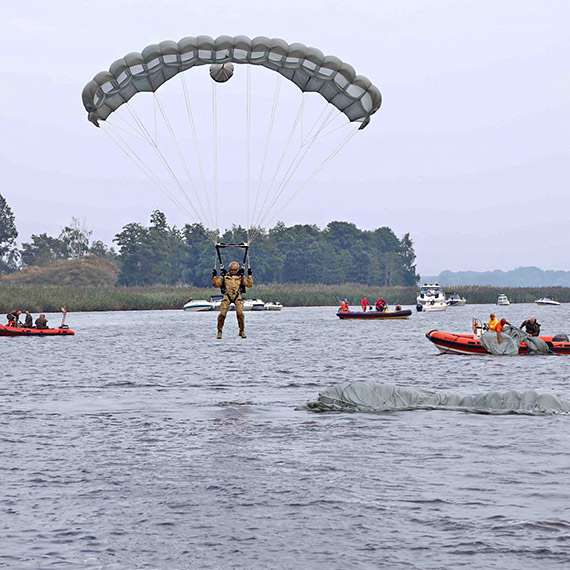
point(429, 308)
point(198, 306)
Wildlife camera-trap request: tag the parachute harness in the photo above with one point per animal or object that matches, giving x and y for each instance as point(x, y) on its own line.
point(241, 272)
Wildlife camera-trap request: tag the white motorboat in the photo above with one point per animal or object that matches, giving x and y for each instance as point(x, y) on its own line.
point(454, 299)
point(503, 300)
point(431, 298)
point(256, 304)
point(248, 304)
point(273, 306)
point(547, 301)
point(198, 305)
point(217, 302)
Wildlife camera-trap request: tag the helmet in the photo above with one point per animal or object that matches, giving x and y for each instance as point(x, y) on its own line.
point(234, 266)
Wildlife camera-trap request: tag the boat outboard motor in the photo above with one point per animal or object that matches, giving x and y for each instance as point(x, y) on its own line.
point(419, 308)
point(560, 338)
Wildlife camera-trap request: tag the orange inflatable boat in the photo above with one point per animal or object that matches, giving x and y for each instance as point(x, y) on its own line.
point(471, 344)
point(17, 331)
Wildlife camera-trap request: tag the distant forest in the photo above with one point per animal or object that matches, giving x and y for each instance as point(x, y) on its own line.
point(159, 254)
point(519, 277)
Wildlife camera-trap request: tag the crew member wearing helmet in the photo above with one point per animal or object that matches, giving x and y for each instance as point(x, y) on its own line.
point(232, 286)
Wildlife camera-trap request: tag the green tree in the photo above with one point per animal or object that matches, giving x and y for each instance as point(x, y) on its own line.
point(102, 251)
point(8, 251)
point(76, 238)
point(43, 250)
point(151, 255)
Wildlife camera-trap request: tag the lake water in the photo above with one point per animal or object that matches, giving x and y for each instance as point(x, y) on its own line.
point(144, 442)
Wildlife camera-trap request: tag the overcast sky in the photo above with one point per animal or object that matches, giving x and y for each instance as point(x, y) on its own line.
point(469, 153)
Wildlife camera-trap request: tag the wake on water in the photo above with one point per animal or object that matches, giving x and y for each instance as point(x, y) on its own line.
point(372, 397)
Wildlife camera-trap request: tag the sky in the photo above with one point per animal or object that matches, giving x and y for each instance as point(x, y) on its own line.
point(469, 153)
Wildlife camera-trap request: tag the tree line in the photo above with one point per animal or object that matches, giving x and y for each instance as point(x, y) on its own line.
point(160, 254)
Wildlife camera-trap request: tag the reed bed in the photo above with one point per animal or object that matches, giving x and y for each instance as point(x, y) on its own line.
point(51, 298)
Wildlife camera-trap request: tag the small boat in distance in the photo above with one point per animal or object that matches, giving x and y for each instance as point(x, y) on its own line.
point(273, 306)
point(198, 305)
point(503, 300)
point(547, 301)
point(248, 304)
point(453, 299)
point(431, 298)
point(256, 304)
point(371, 315)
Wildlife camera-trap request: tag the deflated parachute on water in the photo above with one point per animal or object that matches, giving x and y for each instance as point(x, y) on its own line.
point(372, 397)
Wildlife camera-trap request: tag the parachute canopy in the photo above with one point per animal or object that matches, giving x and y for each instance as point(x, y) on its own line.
point(306, 67)
point(372, 397)
point(223, 140)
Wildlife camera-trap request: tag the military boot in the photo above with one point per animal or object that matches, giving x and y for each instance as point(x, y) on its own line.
point(221, 319)
point(241, 323)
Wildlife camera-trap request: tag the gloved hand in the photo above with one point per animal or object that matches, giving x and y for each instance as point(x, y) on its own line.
point(214, 272)
point(223, 272)
point(249, 271)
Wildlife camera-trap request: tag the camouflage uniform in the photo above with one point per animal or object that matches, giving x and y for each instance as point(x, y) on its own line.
point(232, 295)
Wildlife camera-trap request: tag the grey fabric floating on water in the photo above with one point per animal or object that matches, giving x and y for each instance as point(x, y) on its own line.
point(372, 397)
point(511, 339)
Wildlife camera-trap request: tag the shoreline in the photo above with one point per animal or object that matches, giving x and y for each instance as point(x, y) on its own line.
point(51, 298)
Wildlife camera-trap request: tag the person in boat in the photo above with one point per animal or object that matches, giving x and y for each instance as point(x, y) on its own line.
point(29, 321)
point(14, 318)
point(381, 304)
point(232, 286)
point(365, 303)
point(41, 322)
point(344, 306)
point(398, 307)
point(493, 322)
point(531, 327)
point(499, 329)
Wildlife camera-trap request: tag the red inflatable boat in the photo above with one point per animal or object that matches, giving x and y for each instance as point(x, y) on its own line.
point(17, 331)
point(374, 314)
point(470, 344)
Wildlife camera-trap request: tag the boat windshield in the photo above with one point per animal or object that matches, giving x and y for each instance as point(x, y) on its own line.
point(430, 289)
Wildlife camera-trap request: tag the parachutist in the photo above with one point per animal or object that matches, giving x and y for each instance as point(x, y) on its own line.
point(232, 286)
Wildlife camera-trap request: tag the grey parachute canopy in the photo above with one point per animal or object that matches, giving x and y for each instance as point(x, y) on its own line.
point(307, 67)
point(511, 339)
point(372, 397)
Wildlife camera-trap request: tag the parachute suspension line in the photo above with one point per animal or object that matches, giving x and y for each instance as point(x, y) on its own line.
point(155, 121)
point(182, 159)
point(315, 172)
point(215, 149)
point(162, 158)
point(196, 145)
point(248, 136)
point(113, 133)
point(284, 153)
point(267, 140)
point(329, 119)
point(128, 128)
point(303, 138)
point(294, 165)
point(332, 130)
